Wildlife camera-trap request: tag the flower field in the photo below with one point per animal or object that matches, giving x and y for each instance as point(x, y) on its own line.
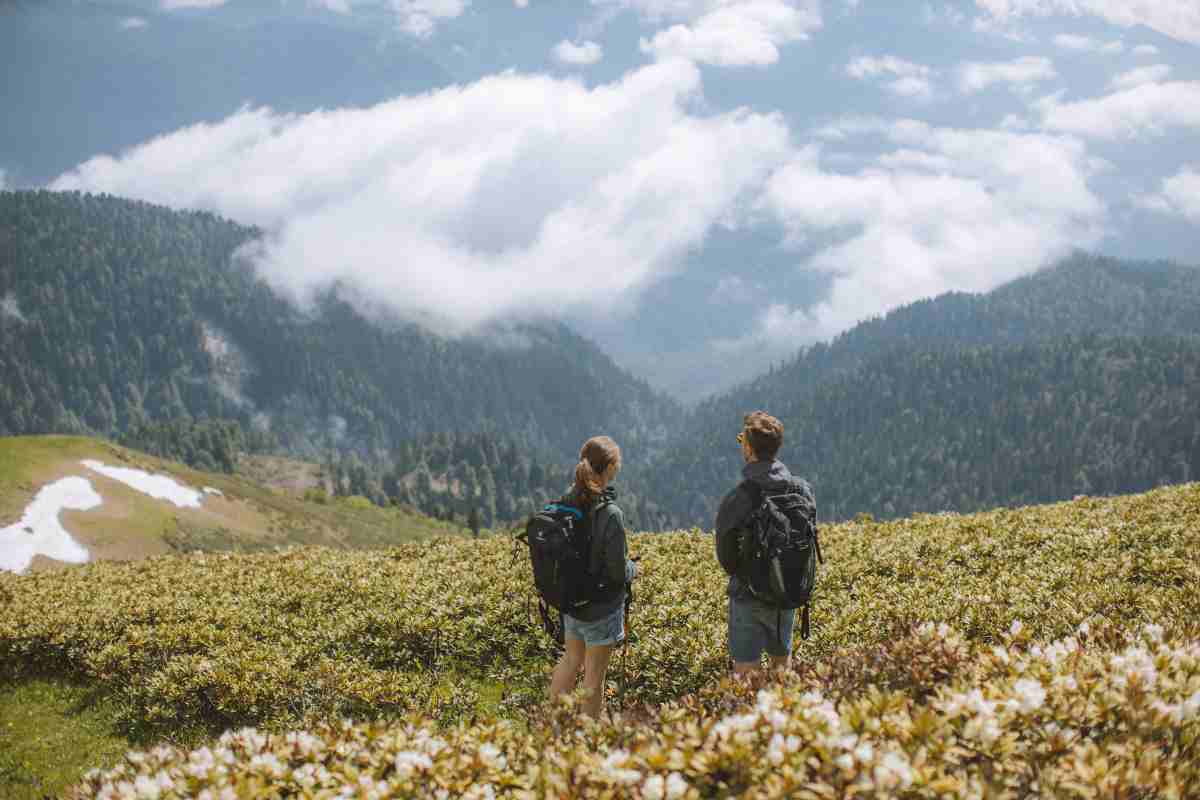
point(1041, 651)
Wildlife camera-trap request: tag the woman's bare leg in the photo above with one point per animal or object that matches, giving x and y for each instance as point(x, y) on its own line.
point(595, 666)
point(567, 668)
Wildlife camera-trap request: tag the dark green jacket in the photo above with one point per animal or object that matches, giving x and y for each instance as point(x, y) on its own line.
point(609, 561)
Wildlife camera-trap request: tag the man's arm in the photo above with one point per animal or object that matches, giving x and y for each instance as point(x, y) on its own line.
point(802, 487)
point(732, 514)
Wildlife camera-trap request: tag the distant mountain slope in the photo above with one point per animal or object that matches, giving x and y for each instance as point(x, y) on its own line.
point(972, 429)
point(117, 311)
point(227, 513)
point(835, 398)
point(1080, 295)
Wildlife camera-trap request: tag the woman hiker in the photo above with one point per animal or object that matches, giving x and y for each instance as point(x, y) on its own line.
point(591, 633)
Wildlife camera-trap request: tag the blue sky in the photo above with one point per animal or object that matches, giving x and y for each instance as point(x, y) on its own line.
point(702, 186)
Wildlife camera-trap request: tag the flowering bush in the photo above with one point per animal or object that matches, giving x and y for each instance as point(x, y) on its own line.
point(307, 637)
point(1079, 717)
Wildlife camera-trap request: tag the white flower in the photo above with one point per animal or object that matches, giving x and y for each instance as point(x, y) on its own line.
point(1191, 707)
point(893, 771)
point(775, 750)
point(407, 762)
point(845, 761)
point(865, 753)
point(1029, 696)
point(1084, 628)
point(982, 728)
point(613, 769)
point(267, 762)
point(490, 755)
point(482, 792)
point(1154, 632)
point(655, 788)
point(200, 762)
point(1016, 627)
point(146, 787)
point(676, 786)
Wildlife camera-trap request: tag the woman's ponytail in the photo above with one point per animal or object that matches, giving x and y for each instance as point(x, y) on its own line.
point(599, 461)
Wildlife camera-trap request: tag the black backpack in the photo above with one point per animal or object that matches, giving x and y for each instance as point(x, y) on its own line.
point(780, 553)
point(559, 538)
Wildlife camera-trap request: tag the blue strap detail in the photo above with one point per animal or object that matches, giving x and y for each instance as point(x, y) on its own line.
point(559, 507)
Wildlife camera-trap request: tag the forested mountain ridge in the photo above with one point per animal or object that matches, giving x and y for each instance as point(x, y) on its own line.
point(139, 323)
point(1080, 295)
point(116, 312)
point(972, 428)
point(851, 406)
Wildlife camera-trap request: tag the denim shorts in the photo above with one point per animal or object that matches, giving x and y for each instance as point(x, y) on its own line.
point(608, 630)
point(752, 629)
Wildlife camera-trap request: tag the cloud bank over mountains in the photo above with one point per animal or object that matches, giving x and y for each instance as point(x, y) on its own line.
point(523, 193)
point(515, 195)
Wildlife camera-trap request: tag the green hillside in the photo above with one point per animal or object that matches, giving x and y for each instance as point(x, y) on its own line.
point(243, 517)
point(960, 656)
point(971, 428)
point(126, 312)
point(142, 324)
point(1079, 296)
point(1074, 380)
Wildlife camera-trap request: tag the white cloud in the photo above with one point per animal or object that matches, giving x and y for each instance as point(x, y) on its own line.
point(948, 209)
point(1086, 44)
point(585, 53)
point(420, 17)
point(521, 3)
point(415, 17)
point(171, 5)
point(1155, 73)
point(1145, 50)
point(724, 32)
point(1144, 110)
point(1180, 194)
point(133, 23)
point(1179, 19)
point(1020, 73)
point(906, 78)
point(509, 196)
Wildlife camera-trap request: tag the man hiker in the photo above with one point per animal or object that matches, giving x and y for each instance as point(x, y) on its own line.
point(754, 626)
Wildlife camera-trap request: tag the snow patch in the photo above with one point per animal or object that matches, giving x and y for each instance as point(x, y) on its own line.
point(40, 533)
point(160, 487)
point(211, 490)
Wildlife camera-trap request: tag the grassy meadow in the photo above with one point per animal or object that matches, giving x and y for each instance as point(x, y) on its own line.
point(1047, 650)
point(248, 516)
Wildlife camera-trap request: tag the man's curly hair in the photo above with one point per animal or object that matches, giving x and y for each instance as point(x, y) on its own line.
point(765, 434)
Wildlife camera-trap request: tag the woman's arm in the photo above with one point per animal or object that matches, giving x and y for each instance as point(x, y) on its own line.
point(616, 550)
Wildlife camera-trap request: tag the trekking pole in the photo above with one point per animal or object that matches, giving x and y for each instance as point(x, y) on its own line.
point(625, 647)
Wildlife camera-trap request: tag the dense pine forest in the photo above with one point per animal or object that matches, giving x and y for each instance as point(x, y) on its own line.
point(142, 324)
point(119, 313)
point(975, 428)
point(969, 401)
